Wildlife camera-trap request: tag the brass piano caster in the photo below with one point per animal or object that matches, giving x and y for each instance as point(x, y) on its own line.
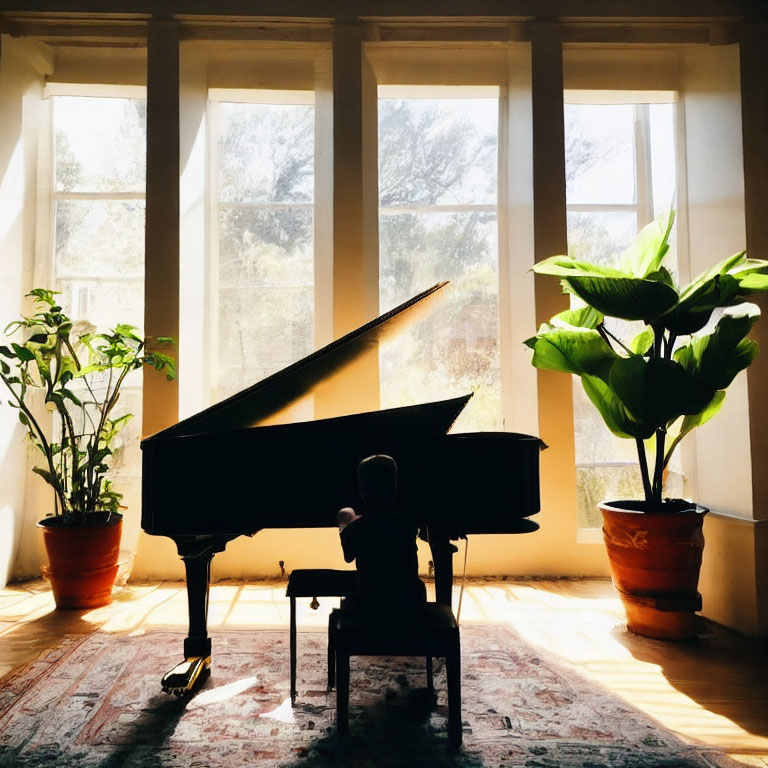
point(185, 677)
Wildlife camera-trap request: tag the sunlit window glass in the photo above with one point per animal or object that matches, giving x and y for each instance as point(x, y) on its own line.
point(265, 266)
point(438, 221)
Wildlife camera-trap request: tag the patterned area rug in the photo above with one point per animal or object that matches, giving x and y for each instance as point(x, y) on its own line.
point(96, 701)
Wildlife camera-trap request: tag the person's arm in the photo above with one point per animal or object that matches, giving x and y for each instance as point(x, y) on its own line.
point(345, 517)
point(350, 537)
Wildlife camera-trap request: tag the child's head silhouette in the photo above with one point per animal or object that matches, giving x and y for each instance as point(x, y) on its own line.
point(377, 479)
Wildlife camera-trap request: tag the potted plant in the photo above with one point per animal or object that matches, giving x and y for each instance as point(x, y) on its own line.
point(77, 378)
point(654, 389)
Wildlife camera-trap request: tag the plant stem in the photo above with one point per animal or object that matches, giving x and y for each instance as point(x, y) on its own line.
point(602, 331)
point(617, 340)
point(658, 472)
point(644, 469)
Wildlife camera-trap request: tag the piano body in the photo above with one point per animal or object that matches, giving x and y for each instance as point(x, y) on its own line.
point(218, 474)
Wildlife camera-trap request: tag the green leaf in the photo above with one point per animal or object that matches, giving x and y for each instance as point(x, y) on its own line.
point(646, 253)
point(714, 360)
point(584, 317)
point(627, 298)
point(565, 266)
point(753, 282)
point(614, 414)
point(695, 306)
point(45, 474)
point(119, 423)
point(726, 284)
point(23, 354)
point(571, 351)
point(129, 331)
point(163, 362)
point(643, 341)
point(44, 296)
point(662, 275)
point(653, 391)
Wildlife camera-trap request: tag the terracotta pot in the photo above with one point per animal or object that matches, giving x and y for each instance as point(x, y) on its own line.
point(655, 561)
point(82, 562)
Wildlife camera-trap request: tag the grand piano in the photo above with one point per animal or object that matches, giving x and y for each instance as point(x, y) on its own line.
point(224, 473)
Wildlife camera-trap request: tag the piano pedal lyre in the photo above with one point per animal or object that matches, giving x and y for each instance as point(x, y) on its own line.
point(185, 677)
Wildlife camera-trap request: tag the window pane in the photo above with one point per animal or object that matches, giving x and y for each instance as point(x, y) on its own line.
point(103, 302)
point(99, 238)
point(266, 153)
point(265, 298)
point(600, 237)
point(436, 155)
point(599, 153)
point(456, 349)
point(99, 144)
point(266, 290)
point(437, 151)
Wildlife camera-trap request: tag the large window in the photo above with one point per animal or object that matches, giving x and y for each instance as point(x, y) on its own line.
point(620, 174)
point(97, 233)
point(98, 207)
point(263, 273)
point(438, 196)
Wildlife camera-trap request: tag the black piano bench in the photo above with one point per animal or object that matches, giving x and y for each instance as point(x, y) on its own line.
point(428, 630)
point(314, 583)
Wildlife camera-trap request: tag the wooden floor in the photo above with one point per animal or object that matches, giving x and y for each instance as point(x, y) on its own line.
point(713, 691)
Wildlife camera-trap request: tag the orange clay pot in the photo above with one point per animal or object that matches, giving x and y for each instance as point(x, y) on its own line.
point(655, 561)
point(82, 562)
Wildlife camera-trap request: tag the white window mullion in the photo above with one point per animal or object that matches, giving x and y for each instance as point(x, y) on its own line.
point(466, 208)
point(98, 196)
point(602, 207)
point(643, 167)
point(214, 206)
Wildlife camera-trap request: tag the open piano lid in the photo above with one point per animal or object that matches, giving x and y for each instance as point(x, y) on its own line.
point(260, 401)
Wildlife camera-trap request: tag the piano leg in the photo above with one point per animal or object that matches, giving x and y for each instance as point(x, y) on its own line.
point(442, 557)
point(191, 673)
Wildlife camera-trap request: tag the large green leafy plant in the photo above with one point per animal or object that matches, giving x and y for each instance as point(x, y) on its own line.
point(672, 376)
point(79, 379)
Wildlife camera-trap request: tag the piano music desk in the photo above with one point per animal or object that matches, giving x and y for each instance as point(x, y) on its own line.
point(314, 583)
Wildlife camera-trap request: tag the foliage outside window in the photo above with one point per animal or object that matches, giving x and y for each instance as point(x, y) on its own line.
point(264, 301)
point(438, 197)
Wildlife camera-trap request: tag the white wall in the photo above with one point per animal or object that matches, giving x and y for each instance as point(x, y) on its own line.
point(729, 584)
point(22, 66)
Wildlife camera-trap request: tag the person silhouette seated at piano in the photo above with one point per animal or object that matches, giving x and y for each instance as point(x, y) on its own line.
point(381, 542)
